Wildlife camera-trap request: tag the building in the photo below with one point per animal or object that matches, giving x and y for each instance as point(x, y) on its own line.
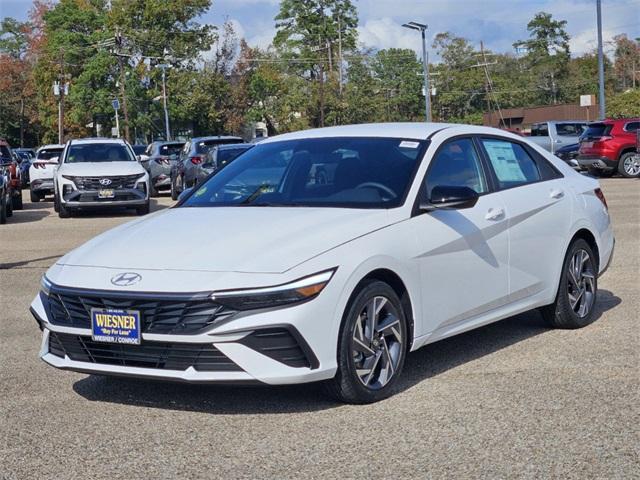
point(523, 118)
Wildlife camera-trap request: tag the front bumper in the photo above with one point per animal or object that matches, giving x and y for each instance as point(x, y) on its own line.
point(129, 197)
point(246, 354)
point(594, 161)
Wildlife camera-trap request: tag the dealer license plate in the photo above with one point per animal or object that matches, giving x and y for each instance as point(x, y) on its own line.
point(106, 193)
point(115, 326)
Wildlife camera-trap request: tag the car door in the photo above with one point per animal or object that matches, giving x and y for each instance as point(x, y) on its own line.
point(538, 210)
point(462, 254)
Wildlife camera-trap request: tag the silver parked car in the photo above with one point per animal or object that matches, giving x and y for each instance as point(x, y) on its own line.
point(158, 159)
point(193, 154)
point(220, 156)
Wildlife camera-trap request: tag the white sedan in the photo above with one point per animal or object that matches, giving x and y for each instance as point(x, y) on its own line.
point(329, 255)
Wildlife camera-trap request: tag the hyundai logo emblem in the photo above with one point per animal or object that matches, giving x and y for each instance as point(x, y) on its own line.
point(105, 182)
point(126, 279)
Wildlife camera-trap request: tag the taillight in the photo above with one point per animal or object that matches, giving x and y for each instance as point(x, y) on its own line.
point(38, 165)
point(162, 160)
point(600, 196)
point(599, 140)
point(196, 160)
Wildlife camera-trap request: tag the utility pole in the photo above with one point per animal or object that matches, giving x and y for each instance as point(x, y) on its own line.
point(340, 55)
point(425, 63)
point(600, 60)
point(164, 66)
point(59, 90)
point(488, 85)
point(122, 82)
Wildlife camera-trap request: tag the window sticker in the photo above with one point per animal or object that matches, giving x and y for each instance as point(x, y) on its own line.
point(504, 161)
point(408, 144)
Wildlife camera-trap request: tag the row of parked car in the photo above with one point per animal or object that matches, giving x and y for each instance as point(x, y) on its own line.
point(109, 172)
point(602, 148)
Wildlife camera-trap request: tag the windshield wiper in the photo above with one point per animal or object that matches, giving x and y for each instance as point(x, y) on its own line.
point(259, 191)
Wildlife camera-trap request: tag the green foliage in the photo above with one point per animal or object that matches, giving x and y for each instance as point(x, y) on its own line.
point(625, 104)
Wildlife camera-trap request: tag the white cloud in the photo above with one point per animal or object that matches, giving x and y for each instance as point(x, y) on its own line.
point(388, 33)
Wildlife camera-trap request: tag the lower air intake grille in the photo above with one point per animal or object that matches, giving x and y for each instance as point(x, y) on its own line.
point(284, 345)
point(161, 355)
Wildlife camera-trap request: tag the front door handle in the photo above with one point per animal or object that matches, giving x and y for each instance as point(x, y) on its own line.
point(556, 193)
point(494, 214)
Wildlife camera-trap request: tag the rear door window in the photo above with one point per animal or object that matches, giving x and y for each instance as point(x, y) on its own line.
point(511, 163)
point(570, 129)
point(540, 130)
point(596, 130)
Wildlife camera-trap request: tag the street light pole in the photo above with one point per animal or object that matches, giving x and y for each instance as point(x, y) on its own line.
point(425, 63)
point(164, 66)
point(600, 60)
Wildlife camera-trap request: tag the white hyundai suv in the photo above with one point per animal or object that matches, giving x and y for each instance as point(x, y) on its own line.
point(100, 173)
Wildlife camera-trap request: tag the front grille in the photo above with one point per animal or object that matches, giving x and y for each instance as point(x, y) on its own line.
point(93, 183)
point(284, 345)
point(158, 315)
point(159, 355)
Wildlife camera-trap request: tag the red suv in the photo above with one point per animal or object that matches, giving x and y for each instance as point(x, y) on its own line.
point(610, 146)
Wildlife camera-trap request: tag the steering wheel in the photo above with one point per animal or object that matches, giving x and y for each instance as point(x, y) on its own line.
point(379, 186)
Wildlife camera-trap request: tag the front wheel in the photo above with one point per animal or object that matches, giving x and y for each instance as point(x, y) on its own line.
point(3, 208)
point(576, 296)
point(16, 201)
point(174, 192)
point(63, 212)
point(35, 197)
point(143, 210)
point(372, 346)
point(629, 165)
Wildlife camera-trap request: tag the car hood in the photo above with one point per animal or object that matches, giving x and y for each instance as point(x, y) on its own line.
point(226, 239)
point(100, 169)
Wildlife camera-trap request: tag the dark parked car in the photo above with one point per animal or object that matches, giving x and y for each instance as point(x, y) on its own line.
point(26, 157)
point(220, 156)
point(609, 146)
point(11, 170)
point(159, 158)
point(569, 153)
point(184, 172)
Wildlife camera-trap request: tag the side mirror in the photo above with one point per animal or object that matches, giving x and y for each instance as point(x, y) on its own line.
point(450, 198)
point(184, 193)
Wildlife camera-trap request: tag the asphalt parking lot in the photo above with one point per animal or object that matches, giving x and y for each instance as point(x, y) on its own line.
point(514, 399)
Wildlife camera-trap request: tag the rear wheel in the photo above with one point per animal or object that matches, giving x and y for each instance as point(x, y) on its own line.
point(372, 346)
point(16, 201)
point(576, 297)
point(174, 193)
point(629, 165)
point(35, 197)
point(3, 209)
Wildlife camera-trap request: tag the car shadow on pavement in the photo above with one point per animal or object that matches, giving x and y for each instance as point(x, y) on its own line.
point(421, 365)
point(31, 212)
point(22, 263)
point(113, 212)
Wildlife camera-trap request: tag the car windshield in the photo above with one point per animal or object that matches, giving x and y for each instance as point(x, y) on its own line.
point(171, 149)
point(49, 153)
point(330, 172)
point(99, 152)
point(203, 146)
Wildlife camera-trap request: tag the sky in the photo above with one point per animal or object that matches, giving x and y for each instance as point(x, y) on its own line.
point(498, 23)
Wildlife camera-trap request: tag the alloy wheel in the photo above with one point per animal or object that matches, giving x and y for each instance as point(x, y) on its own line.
point(632, 165)
point(581, 283)
point(377, 343)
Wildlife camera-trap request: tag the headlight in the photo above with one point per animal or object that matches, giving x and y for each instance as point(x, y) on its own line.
point(70, 178)
point(297, 291)
point(45, 285)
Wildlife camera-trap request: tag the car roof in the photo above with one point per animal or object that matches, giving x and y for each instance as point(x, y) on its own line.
point(234, 146)
point(82, 141)
point(413, 130)
point(51, 146)
point(215, 137)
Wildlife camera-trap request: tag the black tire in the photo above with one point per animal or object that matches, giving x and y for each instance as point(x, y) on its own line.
point(9, 207)
point(16, 201)
point(561, 314)
point(143, 209)
point(634, 165)
point(153, 192)
point(56, 203)
point(63, 212)
point(3, 209)
point(347, 386)
point(174, 193)
point(35, 197)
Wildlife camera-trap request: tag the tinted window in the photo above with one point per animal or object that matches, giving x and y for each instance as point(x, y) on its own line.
point(570, 129)
point(171, 149)
point(330, 172)
point(511, 163)
point(632, 126)
point(228, 154)
point(138, 149)
point(4, 151)
point(540, 130)
point(49, 153)
point(597, 130)
point(204, 146)
point(98, 152)
point(456, 165)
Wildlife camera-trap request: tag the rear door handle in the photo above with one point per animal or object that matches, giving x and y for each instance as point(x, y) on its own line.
point(494, 214)
point(555, 193)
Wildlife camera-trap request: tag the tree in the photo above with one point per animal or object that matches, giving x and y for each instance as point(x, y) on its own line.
point(397, 72)
point(627, 61)
point(624, 105)
point(547, 54)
